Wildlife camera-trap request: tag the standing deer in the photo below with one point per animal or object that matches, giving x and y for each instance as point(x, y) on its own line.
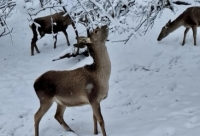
point(55, 23)
point(84, 85)
point(190, 18)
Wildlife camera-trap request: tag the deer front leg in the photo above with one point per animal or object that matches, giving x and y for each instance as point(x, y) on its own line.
point(194, 29)
point(184, 37)
point(32, 49)
point(66, 35)
point(95, 125)
point(37, 48)
point(98, 117)
point(55, 40)
point(33, 45)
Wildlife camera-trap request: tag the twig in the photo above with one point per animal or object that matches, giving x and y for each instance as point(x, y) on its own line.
point(4, 32)
point(73, 54)
point(125, 40)
point(51, 7)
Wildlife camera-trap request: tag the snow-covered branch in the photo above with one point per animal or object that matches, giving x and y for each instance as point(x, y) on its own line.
point(6, 8)
point(132, 16)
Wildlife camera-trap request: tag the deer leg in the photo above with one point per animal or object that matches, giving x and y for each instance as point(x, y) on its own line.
point(66, 35)
point(194, 29)
point(55, 40)
point(42, 35)
point(73, 25)
point(59, 117)
point(44, 106)
point(97, 116)
point(32, 48)
point(88, 32)
point(33, 45)
point(185, 33)
point(95, 125)
point(36, 48)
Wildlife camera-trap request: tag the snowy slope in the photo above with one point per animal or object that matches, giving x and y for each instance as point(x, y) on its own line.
point(154, 86)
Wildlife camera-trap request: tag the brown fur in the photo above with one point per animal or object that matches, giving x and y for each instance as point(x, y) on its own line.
point(84, 85)
point(60, 25)
point(190, 18)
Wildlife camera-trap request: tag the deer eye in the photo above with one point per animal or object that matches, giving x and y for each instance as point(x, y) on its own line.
point(96, 31)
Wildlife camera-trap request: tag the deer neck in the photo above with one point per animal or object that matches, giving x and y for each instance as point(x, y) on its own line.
point(101, 58)
point(175, 24)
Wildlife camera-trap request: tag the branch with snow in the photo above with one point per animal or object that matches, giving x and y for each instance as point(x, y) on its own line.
point(5, 33)
point(132, 16)
point(6, 10)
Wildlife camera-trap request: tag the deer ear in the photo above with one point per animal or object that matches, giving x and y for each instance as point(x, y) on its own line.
point(169, 21)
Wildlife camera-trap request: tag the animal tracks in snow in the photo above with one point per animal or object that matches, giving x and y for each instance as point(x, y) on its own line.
point(191, 113)
point(170, 88)
point(186, 112)
point(136, 67)
point(162, 131)
point(193, 122)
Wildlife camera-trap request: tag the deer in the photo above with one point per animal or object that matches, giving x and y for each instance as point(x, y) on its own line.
point(190, 18)
point(85, 85)
point(54, 23)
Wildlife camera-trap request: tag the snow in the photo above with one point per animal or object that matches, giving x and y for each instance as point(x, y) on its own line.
point(154, 86)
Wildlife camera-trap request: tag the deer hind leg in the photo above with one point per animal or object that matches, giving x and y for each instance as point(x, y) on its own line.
point(194, 29)
point(59, 117)
point(45, 104)
point(97, 116)
point(55, 40)
point(66, 35)
point(184, 37)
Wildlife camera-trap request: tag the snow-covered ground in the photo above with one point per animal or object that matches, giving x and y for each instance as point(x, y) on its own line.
point(154, 86)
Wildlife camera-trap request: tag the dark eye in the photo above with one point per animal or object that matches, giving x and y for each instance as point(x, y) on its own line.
point(96, 31)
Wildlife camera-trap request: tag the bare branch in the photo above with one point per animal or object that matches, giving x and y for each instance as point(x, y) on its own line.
point(133, 16)
point(6, 8)
point(75, 53)
point(5, 33)
point(44, 8)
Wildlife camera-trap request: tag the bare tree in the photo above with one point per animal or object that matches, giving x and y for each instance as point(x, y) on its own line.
point(123, 16)
point(131, 16)
point(6, 8)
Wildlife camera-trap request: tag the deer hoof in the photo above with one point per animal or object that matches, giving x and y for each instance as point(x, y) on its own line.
point(70, 130)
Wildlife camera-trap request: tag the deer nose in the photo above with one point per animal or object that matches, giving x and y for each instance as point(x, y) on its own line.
point(159, 39)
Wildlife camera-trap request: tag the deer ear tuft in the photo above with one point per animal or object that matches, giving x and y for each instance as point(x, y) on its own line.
point(169, 21)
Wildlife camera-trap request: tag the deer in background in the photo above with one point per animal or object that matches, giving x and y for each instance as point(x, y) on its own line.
point(55, 23)
point(190, 18)
point(84, 85)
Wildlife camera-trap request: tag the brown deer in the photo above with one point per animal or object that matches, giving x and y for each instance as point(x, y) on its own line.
point(190, 18)
point(84, 85)
point(60, 23)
